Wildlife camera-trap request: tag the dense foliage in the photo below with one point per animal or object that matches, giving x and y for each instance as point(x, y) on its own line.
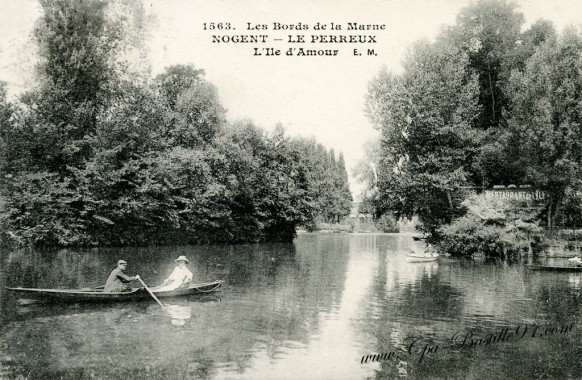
point(492, 227)
point(328, 178)
point(484, 104)
point(547, 118)
point(96, 154)
point(427, 142)
point(387, 223)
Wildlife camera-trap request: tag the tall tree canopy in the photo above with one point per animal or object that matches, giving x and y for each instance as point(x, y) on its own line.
point(425, 116)
point(98, 155)
point(547, 117)
point(487, 31)
point(484, 104)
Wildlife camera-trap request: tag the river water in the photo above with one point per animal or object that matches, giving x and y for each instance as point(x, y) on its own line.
point(313, 309)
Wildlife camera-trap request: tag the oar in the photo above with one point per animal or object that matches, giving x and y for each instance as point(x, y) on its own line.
point(150, 292)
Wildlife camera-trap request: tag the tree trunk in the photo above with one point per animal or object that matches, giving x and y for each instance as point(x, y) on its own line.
point(549, 222)
point(492, 90)
point(557, 203)
point(450, 199)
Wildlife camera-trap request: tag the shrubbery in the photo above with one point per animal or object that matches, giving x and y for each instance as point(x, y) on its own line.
point(493, 228)
point(387, 223)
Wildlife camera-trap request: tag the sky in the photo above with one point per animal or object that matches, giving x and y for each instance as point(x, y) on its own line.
point(321, 97)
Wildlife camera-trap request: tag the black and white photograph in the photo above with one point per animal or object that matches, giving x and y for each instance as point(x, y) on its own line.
point(316, 189)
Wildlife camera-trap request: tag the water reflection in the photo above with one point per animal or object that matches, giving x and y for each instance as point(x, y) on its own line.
point(179, 314)
point(311, 309)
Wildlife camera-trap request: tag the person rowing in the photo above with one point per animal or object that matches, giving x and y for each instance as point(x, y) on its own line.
point(181, 276)
point(118, 281)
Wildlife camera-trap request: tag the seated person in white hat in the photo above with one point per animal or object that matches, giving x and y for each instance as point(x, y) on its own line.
point(180, 277)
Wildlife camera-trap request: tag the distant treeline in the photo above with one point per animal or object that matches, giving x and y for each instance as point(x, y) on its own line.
point(99, 154)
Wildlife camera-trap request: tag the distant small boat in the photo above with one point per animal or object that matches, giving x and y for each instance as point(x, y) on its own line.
point(555, 268)
point(419, 258)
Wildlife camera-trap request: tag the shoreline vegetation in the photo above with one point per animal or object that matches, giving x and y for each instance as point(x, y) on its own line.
point(480, 134)
point(101, 153)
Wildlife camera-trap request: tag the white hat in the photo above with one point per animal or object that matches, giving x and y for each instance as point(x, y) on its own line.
point(182, 258)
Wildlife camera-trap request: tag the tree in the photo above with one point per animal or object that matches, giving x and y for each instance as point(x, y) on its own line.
point(196, 111)
point(546, 117)
point(100, 155)
point(538, 33)
point(488, 31)
point(50, 130)
point(440, 135)
point(77, 45)
point(177, 79)
point(199, 115)
point(425, 116)
point(344, 196)
point(338, 197)
point(6, 112)
point(274, 192)
point(327, 180)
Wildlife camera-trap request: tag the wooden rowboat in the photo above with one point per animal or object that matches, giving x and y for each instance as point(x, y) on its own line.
point(98, 295)
point(555, 268)
point(419, 258)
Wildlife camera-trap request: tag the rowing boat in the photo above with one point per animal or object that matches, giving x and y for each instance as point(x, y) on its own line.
point(416, 258)
point(555, 268)
point(98, 295)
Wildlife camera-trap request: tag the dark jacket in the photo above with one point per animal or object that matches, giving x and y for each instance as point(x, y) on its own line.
point(118, 281)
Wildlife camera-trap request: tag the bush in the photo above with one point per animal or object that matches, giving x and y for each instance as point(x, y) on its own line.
point(492, 228)
point(387, 223)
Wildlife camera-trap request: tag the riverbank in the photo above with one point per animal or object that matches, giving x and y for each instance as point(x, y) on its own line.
point(347, 227)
